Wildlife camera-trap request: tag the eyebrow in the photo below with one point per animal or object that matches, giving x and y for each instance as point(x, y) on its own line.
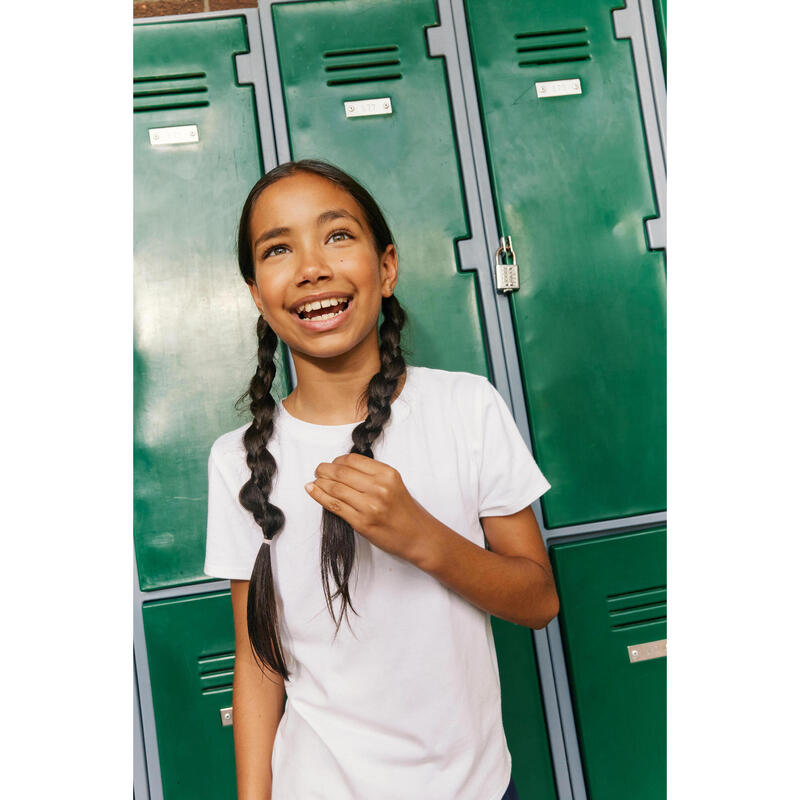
point(325, 216)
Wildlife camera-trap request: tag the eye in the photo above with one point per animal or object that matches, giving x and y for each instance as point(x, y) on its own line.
point(342, 233)
point(274, 250)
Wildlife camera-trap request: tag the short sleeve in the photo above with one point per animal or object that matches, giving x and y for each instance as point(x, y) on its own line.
point(233, 537)
point(508, 477)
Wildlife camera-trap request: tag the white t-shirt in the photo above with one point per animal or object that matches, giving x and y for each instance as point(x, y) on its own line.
point(405, 702)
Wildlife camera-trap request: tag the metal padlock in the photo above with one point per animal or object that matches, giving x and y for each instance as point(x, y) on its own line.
point(506, 276)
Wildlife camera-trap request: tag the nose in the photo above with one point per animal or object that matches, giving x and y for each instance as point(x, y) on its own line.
point(312, 267)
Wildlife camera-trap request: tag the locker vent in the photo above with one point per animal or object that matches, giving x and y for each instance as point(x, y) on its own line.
point(552, 47)
point(362, 65)
point(167, 92)
point(216, 672)
point(639, 608)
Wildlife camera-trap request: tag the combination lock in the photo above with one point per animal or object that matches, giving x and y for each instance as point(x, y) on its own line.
point(506, 276)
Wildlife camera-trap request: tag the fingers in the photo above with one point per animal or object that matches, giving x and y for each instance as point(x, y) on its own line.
point(363, 464)
point(341, 472)
point(336, 497)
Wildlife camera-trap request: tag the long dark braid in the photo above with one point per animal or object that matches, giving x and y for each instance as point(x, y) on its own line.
point(254, 496)
point(338, 539)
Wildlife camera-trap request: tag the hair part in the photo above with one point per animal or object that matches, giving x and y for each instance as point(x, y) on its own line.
point(337, 549)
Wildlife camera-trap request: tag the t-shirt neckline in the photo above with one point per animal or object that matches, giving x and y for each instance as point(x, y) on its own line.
point(296, 427)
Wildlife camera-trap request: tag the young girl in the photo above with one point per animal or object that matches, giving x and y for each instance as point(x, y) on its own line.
point(350, 518)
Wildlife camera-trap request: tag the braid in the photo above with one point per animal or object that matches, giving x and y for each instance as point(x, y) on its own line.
point(338, 539)
point(262, 617)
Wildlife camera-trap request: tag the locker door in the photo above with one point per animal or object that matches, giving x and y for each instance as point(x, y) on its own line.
point(190, 649)
point(408, 159)
point(194, 319)
point(572, 188)
point(613, 623)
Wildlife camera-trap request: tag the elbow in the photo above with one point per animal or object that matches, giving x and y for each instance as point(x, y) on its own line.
point(546, 611)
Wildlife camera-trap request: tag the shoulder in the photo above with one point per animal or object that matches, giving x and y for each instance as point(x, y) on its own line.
point(459, 394)
point(228, 449)
point(447, 382)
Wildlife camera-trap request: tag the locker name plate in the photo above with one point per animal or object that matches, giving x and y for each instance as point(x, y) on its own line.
point(648, 650)
point(181, 134)
point(558, 88)
point(368, 108)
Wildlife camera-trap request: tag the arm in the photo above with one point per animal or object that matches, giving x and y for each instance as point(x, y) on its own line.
point(513, 581)
point(257, 708)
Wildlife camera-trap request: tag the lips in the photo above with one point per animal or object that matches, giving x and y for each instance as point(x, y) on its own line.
point(315, 324)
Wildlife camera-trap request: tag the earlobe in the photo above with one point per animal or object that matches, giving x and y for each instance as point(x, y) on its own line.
point(388, 270)
point(256, 298)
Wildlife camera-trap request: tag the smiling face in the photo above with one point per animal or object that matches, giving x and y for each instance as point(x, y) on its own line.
point(319, 281)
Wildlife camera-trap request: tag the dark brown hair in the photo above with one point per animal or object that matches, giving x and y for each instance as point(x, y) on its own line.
point(337, 551)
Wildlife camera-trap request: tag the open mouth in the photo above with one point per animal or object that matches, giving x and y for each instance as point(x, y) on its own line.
point(321, 310)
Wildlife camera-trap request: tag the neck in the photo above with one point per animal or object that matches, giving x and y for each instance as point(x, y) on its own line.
point(329, 390)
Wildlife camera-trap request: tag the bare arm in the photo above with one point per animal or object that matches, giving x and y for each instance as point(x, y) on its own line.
point(513, 581)
point(257, 709)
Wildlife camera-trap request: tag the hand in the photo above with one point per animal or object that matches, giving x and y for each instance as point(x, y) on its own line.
point(372, 497)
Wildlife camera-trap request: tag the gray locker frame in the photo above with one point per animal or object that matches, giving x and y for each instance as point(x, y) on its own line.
point(249, 69)
point(449, 39)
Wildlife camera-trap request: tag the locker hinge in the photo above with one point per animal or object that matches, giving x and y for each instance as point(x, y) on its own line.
point(506, 276)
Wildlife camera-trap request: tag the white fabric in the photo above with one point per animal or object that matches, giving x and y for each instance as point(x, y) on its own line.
point(407, 703)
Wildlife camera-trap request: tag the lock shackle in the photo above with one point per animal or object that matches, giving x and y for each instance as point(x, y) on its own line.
point(505, 247)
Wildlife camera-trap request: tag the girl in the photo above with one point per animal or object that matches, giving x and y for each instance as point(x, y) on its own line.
point(380, 639)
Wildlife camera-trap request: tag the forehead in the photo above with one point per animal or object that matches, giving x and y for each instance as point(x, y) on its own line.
point(298, 200)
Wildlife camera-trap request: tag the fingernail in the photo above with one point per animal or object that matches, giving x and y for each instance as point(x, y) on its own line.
point(309, 486)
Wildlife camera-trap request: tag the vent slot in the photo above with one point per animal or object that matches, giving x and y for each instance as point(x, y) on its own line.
point(216, 673)
point(168, 92)
point(638, 608)
point(552, 52)
point(361, 62)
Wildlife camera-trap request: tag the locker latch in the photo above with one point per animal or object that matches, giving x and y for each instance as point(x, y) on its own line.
point(226, 715)
point(506, 276)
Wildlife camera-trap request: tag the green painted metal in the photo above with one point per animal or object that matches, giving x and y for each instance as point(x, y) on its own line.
point(194, 319)
point(660, 8)
point(407, 159)
point(613, 594)
point(190, 649)
point(523, 713)
point(572, 187)
point(409, 162)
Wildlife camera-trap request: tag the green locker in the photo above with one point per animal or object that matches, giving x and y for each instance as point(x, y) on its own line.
point(194, 319)
point(190, 649)
point(572, 187)
point(409, 160)
point(613, 624)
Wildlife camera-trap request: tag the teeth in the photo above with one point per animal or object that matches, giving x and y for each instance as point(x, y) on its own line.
point(317, 304)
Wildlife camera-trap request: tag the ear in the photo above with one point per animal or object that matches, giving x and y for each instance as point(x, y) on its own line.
point(256, 296)
point(388, 270)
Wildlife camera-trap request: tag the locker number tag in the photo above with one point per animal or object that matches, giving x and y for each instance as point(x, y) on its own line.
point(368, 108)
point(558, 88)
point(647, 651)
point(181, 134)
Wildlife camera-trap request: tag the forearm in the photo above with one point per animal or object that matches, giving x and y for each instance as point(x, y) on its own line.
point(257, 710)
point(513, 588)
